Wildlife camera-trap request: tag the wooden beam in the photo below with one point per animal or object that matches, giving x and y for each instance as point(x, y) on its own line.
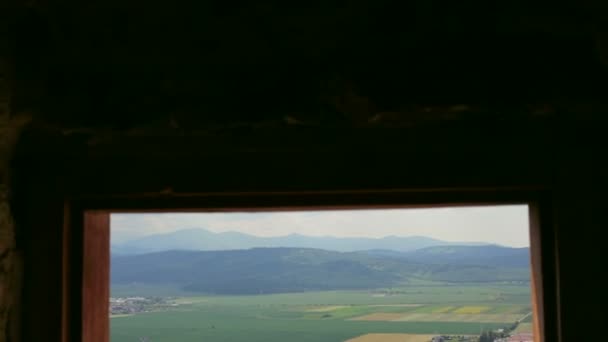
point(537, 281)
point(96, 277)
point(545, 288)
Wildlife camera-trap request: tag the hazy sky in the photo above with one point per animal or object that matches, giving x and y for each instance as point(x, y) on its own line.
point(505, 225)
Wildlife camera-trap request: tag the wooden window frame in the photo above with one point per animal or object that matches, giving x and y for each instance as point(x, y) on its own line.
point(86, 266)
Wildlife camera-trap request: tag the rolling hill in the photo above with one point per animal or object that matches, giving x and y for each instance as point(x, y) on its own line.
point(204, 240)
point(489, 255)
point(274, 270)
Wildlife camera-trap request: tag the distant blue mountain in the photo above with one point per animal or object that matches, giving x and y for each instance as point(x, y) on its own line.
point(204, 240)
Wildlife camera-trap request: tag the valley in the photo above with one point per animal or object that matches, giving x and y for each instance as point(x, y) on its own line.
point(195, 285)
point(419, 312)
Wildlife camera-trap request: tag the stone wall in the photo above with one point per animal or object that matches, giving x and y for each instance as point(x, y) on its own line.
point(7, 239)
point(9, 257)
point(10, 261)
point(8, 270)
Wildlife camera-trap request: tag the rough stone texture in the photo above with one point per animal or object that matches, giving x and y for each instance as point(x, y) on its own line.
point(8, 271)
point(9, 258)
point(10, 261)
point(7, 239)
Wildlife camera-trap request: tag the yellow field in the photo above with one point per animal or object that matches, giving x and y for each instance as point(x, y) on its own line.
point(397, 305)
point(443, 309)
point(437, 317)
point(471, 309)
point(325, 308)
point(452, 317)
point(391, 338)
point(379, 316)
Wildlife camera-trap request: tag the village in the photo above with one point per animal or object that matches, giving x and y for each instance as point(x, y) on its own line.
point(512, 337)
point(134, 305)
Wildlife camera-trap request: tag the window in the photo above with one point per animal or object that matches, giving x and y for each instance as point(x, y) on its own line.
point(385, 273)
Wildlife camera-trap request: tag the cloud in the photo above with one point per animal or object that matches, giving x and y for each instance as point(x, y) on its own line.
point(507, 225)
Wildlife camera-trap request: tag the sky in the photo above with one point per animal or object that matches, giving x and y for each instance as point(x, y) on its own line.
point(504, 225)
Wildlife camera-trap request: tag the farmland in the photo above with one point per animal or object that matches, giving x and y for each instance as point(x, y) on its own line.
point(408, 314)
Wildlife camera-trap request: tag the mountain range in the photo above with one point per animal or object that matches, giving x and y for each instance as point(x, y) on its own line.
point(281, 269)
point(203, 240)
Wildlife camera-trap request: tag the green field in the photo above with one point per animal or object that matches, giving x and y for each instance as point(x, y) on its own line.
point(324, 316)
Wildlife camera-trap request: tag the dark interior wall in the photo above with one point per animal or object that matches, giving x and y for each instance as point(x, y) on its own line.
point(189, 64)
point(10, 261)
point(133, 98)
point(580, 204)
point(564, 161)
